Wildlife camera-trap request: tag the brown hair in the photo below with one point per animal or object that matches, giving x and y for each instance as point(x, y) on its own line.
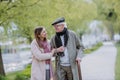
point(37, 32)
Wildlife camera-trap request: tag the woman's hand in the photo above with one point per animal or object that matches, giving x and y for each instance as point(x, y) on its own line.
point(60, 49)
point(53, 51)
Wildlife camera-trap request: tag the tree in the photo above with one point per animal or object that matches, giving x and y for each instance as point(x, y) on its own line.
point(7, 15)
point(108, 12)
point(29, 14)
point(1, 64)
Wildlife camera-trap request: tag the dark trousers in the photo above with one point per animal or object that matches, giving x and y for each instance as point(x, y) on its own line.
point(66, 73)
point(48, 74)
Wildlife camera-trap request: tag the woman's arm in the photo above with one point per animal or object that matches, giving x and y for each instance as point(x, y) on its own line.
point(38, 54)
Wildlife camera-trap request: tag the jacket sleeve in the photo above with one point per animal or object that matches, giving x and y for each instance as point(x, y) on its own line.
point(79, 47)
point(38, 54)
point(52, 42)
point(53, 45)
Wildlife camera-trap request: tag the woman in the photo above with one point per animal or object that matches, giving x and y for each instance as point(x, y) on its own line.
point(41, 52)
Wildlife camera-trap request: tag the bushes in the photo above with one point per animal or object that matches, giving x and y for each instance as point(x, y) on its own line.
point(27, 71)
point(3, 78)
point(19, 75)
point(25, 74)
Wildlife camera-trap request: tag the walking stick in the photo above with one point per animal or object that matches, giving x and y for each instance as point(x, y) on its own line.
point(79, 70)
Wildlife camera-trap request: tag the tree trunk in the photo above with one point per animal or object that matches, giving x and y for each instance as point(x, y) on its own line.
point(1, 64)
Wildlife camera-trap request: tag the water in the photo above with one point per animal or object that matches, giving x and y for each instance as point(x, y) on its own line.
point(16, 61)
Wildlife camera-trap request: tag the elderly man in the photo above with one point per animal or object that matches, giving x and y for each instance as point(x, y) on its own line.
point(69, 52)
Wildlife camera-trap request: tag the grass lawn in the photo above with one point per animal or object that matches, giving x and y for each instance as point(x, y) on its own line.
point(117, 68)
point(11, 76)
point(97, 46)
point(20, 75)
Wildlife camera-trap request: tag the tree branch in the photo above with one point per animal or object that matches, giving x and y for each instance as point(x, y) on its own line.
point(9, 17)
point(33, 3)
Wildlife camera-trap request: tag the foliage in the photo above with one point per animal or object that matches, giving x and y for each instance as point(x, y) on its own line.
point(3, 78)
point(109, 10)
point(20, 77)
point(11, 76)
point(27, 72)
point(29, 14)
point(117, 66)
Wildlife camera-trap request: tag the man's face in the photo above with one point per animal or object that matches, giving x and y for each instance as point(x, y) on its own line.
point(59, 27)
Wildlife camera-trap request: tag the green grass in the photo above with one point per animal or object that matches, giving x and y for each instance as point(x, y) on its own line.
point(3, 77)
point(117, 68)
point(11, 76)
point(22, 75)
point(27, 71)
point(87, 51)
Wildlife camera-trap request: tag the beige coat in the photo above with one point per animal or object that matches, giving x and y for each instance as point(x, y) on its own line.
point(38, 62)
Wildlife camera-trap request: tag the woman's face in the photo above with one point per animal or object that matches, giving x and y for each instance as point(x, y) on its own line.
point(43, 34)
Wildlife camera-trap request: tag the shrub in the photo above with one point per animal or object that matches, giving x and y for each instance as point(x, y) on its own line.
point(3, 77)
point(27, 71)
point(20, 77)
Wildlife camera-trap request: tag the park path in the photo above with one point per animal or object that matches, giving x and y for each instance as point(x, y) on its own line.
point(100, 65)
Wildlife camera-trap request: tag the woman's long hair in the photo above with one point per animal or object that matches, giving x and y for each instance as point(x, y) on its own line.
point(37, 32)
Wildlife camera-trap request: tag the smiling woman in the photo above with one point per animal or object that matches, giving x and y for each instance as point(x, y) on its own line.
point(41, 56)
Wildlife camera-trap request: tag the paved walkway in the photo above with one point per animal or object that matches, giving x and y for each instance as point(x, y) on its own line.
point(100, 64)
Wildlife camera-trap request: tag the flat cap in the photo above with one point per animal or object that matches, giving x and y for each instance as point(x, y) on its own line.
point(58, 20)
